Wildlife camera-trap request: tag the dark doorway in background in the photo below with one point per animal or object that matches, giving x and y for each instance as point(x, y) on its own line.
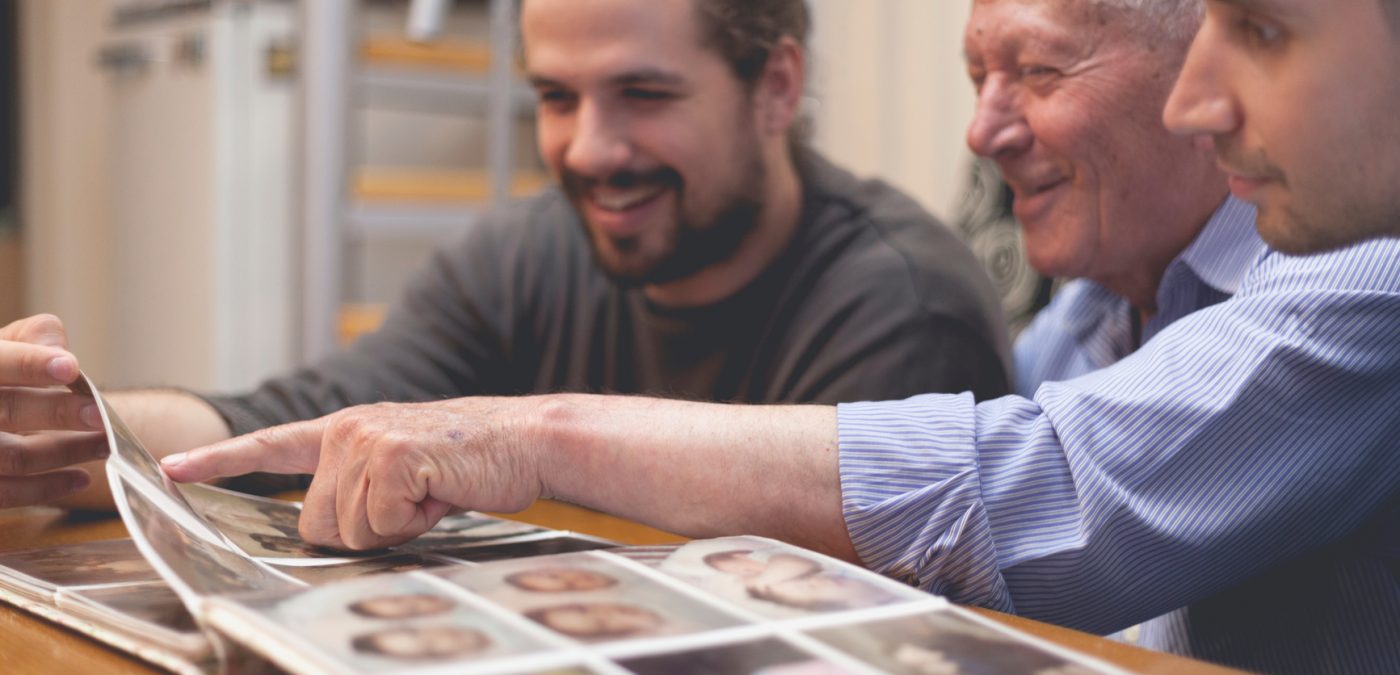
point(9, 116)
point(11, 267)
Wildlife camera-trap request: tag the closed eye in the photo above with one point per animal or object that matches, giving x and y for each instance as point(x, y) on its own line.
point(643, 94)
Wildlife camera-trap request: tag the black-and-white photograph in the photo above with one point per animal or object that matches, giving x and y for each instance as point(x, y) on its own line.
point(779, 581)
point(589, 598)
point(206, 499)
point(944, 642)
point(127, 449)
point(271, 538)
point(205, 567)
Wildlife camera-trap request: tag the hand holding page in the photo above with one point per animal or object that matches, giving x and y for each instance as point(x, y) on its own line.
point(34, 467)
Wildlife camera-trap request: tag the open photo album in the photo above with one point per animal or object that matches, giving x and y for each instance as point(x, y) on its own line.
point(218, 581)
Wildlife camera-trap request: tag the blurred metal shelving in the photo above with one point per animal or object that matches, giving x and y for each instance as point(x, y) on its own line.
point(342, 74)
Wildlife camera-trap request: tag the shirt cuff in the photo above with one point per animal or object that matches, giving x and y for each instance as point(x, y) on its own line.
point(911, 496)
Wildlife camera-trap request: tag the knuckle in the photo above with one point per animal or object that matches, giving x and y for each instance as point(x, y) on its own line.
point(394, 447)
point(41, 324)
point(358, 426)
point(343, 428)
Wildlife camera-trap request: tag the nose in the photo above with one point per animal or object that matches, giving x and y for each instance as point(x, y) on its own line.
point(1200, 103)
point(998, 127)
point(599, 147)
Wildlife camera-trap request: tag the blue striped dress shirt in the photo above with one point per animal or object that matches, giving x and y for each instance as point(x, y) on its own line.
point(1237, 477)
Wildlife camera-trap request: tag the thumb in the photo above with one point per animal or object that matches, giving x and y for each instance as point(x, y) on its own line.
point(290, 448)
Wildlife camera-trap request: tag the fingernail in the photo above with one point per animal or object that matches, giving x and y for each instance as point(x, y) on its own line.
point(63, 368)
point(90, 416)
point(81, 481)
point(173, 460)
point(104, 452)
point(51, 339)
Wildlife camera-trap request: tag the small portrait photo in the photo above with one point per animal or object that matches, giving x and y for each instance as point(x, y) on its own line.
point(467, 530)
point(560, 579)
point(588, 597)
point(389, 564)
point(945, 641)
point(769, 656)
point(778, 581)
point(384, 623)
point(88, 564)
point(547, 545)
point(202, 564)
point(599, 621)
point(421, 643)
point(402, 606)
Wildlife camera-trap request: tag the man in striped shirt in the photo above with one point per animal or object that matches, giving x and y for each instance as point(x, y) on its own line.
point(1229, 460)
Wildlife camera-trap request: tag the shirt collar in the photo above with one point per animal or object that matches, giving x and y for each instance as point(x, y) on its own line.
point(1221, 256)
point(1227, 248)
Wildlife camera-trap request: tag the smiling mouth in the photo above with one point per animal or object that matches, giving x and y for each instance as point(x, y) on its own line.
point(1045, 187)
point(1033, 203)
point(617, 200)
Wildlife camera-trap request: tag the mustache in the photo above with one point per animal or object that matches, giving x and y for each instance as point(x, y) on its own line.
point(1253, 163)
point(576, 184)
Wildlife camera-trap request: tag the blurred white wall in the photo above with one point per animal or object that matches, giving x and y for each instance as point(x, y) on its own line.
point(895, 99)
point(64, 207)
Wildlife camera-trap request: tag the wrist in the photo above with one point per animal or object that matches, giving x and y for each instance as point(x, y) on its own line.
point(555, 432)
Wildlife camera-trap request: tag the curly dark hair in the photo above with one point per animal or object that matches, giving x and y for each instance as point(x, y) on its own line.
point(746, 31)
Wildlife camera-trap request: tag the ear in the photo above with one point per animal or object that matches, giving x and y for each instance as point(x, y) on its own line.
point(779, 91)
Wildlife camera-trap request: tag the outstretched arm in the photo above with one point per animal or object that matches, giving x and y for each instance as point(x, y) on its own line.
point(386, 473)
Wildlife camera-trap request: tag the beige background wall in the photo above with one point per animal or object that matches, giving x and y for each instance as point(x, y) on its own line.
point(894, 94)
point(64, 182)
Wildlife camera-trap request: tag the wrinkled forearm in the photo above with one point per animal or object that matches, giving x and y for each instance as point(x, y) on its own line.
point(697, 469)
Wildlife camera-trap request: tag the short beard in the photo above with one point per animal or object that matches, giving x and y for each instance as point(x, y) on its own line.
point(692, 247)
point(696, 248)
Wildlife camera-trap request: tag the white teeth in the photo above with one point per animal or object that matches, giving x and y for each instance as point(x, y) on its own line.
point(621, 200)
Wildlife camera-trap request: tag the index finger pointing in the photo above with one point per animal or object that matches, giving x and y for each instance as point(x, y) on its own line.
point(290, 448)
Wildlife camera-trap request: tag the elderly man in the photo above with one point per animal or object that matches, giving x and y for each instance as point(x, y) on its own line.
point(1231, 463)
point(694, 249)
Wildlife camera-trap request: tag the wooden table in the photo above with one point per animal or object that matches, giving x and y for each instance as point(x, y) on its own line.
point(32, 645)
